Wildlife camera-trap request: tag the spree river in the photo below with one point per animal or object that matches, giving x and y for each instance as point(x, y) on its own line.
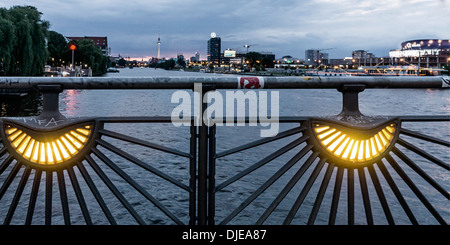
point(311, 102)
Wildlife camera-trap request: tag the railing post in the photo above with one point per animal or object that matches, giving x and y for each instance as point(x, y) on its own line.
point(50, 101)
point(193, 174)
point(203, 159)
point(350, 103)
point(212, 174)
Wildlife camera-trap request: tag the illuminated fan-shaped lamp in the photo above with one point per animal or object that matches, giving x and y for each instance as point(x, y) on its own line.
point(351, 146)
point(52, 150)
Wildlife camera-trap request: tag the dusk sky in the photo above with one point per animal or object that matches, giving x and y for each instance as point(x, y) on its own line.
point(282, 27)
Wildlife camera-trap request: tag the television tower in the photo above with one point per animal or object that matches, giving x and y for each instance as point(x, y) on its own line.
point(159, 45)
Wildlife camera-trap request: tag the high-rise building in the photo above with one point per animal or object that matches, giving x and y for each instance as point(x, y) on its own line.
point(197, 56)
point(213, 51)
point(315, 57)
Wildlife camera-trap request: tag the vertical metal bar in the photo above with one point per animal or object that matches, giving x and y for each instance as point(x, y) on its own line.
point(320, 194)
point(351, 196)
point(48, 197)
point(79, 194)
point(114, 190)
point(9, 179)
point(211, 175)
point(268, 183)
point(365, 195)
point(193, 173)
point(416, 190)
point(336, 195)
point(301, 197)
point(17, 195)
point(63, 195)
point(96, 193)
point(381, 197)
point(202, 165)
point(33, 196)
point(420, 172)
point(288, 187)
point(397, 192)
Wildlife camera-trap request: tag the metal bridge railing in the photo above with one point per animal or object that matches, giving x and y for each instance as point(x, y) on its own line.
point(101, 169)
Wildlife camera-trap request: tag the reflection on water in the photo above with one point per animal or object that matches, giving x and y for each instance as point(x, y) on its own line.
point(15, 106)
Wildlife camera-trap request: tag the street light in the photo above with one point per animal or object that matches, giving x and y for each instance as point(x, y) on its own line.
point(73, 47)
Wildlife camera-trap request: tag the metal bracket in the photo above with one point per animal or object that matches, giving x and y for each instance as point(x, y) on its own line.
point(350, 104)
point(50, 101)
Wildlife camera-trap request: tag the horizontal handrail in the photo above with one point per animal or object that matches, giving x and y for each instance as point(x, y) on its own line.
point(224, 82)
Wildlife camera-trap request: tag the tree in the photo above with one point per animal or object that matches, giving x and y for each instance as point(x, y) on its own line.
point(253, 59)
point(57, 48)
point(121, 62)
point(23, 41)
point(88, 54)
point(7, 39)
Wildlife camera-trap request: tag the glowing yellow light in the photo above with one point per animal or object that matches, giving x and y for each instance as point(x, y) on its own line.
point(341, 148)
point(321, 136)
point(355, 148)
point(52, 151)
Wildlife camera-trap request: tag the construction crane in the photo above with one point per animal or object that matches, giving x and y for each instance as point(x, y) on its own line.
point(249, 45)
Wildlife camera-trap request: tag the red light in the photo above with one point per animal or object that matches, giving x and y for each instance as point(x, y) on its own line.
point(73, 47)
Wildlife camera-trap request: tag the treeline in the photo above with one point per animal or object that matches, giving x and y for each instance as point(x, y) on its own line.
point(27, 45)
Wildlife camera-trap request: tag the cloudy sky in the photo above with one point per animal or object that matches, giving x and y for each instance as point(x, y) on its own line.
point(285, 27)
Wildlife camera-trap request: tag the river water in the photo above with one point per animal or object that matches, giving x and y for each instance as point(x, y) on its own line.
point(128, 103)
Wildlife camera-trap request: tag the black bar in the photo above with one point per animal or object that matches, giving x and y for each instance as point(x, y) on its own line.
point(96, 193)
point(262, 162)
point(381, 197)
point(193, 175)
point(304, 192)
point(419, 171)
point(437, 118)
point(142, 143)
point(141, 164)
point(135, 185)
point(351, 196)
point(423, 154)
point(365, 195)
point(202, 202)
point(211, 175)
point(424, 137)
point(5, 164)
point(114, 190)
point(320, 194)
point(79, 195)
point(33, 196)
point(397, 192)
point(288, 187)
point(17, 195)
point(63, 195)
point(261, 141)
point(48, 197)
point(268, 183)
point(336, 195)
point(416, 190)
point(9, 179)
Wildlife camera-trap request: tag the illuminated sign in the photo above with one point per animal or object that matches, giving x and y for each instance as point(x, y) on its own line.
point(229, 53)
point(413, 53)
point(412, 45)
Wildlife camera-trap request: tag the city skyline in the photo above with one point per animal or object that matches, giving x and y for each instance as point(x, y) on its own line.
point(285, 28)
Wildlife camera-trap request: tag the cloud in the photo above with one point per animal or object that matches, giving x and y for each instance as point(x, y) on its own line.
point(283, 27)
